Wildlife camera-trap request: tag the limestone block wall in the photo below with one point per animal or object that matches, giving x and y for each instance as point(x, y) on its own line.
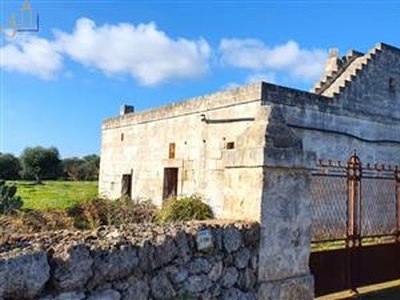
point(333, 136)
point(329, 128)
point(206, 133)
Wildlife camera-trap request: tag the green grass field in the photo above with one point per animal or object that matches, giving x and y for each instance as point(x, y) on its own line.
point(53, 195)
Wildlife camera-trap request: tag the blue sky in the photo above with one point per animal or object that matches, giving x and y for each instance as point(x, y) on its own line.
point(90, 57)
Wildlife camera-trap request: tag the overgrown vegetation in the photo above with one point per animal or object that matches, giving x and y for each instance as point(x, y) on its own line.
point(185, 208)
point(9, 201)
point(32, 221)
point(96, 212)
point(88, 214)
point(56, 205)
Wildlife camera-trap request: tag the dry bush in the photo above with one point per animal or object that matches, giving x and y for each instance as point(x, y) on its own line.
point(36, 221)
point(96, 212)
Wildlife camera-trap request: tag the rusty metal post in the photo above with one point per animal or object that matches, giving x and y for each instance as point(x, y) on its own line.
point(353, 237)
point(354, 174)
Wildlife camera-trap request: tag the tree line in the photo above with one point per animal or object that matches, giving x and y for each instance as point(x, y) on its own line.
point(39, 163)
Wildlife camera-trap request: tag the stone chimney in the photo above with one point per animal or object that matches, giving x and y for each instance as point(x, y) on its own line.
point(126, 109)
point(333, 63)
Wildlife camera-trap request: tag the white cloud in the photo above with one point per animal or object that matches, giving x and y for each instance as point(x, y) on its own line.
point(252, 78)
point(152, 57)
point(31, 55)
point(253, 54)
point(257, 77)
point(143, 51)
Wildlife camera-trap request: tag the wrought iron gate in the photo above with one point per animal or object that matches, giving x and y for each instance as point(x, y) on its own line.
point(355, 226)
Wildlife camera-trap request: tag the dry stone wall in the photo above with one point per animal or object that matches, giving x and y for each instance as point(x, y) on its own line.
point(135, 262)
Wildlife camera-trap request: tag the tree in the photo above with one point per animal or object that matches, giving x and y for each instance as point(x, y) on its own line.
point(76, 169)
point(40, 163)
point(9, 166)
point(92, 166)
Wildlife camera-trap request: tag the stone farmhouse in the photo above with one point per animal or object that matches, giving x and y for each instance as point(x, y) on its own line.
point(236, 147)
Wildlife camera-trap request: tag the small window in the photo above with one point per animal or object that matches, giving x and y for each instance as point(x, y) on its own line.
point(392, 86)
point(188, 175)
point(171, 150)
point(126, 185)
point(122, 137)
point(230, 145)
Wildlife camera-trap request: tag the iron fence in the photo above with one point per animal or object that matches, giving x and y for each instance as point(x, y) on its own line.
point(353, 201)
point(356, 206)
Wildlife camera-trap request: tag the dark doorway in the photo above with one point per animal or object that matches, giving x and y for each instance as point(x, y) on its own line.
point(126, 186)
point(170, 188)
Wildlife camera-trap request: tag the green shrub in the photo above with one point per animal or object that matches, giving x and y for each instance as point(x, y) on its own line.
point(9, 201)
point(185, 208)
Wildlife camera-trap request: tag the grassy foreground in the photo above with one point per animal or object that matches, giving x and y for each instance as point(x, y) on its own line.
point(56, 205)
point(55, 195)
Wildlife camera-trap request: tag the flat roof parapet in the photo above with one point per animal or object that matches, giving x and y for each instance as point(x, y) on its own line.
point(220, 99)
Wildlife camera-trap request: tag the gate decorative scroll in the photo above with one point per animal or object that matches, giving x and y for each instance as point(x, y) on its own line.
point(356, 212)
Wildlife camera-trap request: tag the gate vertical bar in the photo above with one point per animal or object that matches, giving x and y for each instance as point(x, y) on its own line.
point(349, 223)
point(353, 237)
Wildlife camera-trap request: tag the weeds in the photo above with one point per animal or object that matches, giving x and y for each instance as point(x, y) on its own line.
point(96, 212)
